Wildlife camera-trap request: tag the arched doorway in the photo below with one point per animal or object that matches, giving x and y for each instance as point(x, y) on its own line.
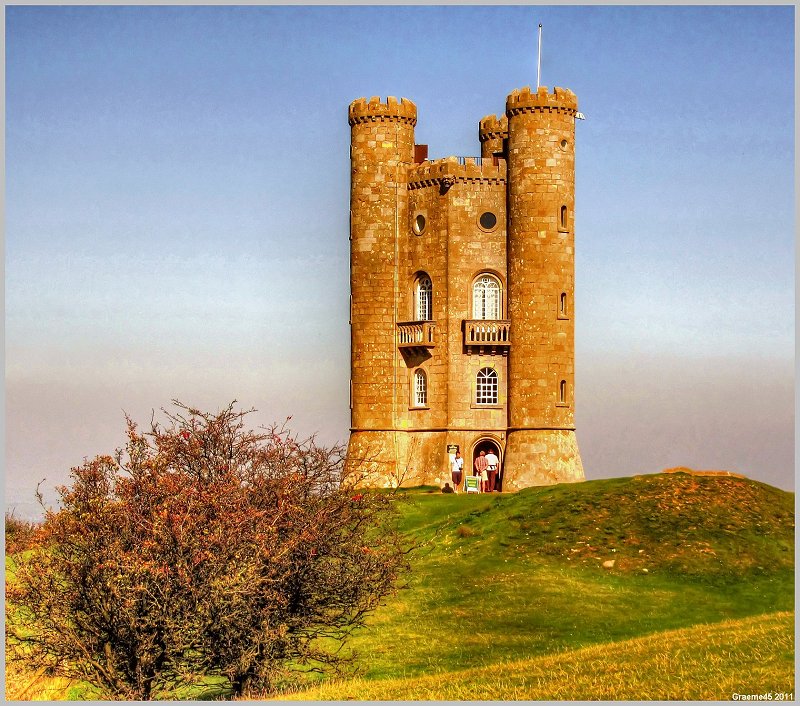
point(486, 445)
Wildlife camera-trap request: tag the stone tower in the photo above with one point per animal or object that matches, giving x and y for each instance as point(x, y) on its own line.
point(462, 281)
point(541, 444)
point(381, 151)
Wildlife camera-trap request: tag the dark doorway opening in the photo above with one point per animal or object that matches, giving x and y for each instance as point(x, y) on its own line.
point(487, 445)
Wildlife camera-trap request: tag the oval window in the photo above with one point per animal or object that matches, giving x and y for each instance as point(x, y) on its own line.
point(419, 224)
point(488, 220)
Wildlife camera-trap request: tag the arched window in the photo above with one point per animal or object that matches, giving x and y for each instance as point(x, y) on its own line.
point(562, 392)
point(424, 298)
point(487, 298)
point(563, 218)
point(562, 304)
point(420, 388)
point(486, 387)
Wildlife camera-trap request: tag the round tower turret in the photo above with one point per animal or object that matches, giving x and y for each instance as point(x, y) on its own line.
point(492, 134)
point(541, 444)
point(381, 150)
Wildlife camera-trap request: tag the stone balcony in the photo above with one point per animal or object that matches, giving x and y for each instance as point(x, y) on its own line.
point(416, 334)
point(487, 335)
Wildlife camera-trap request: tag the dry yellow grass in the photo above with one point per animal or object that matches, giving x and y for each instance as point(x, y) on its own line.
point(35, 686)
point(706, 662)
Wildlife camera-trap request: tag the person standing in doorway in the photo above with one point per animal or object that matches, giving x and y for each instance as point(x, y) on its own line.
point(456, 470)
point(480, 468)
point(492, 466)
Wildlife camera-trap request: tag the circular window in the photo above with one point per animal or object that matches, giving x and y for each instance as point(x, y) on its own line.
point(488, 220)
point(419, 223)
point(564, 144)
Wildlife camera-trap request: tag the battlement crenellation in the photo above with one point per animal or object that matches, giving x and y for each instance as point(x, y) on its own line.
point(362, 111)
point(492, 127)
point(457, 169)
point(524, 100)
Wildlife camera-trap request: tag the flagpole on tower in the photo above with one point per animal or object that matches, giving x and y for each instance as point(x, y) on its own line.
point(539, 60)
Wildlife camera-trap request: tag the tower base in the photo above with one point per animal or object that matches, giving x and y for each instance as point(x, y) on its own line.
point(391, 459)
point(541, 457)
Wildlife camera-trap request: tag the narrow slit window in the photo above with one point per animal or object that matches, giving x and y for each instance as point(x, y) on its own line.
point(420, 388)
point(563, 218)
point(562, 304)
point(562, 392)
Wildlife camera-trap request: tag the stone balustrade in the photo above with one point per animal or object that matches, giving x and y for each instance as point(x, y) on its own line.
point(416, 334)
point(495, 333)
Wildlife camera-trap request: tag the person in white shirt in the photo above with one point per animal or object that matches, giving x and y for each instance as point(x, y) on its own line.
point(456, 470)
point(493, 465)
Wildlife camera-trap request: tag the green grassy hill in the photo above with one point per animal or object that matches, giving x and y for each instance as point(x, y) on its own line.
point(509, 597)
point(504, 578)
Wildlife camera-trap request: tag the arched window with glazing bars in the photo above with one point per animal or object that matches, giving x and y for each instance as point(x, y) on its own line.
point(424, 297)
point(420, 388)
point(486, 386)
point(487, 298)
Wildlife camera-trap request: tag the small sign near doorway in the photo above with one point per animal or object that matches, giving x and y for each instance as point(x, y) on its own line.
point(452, 448)
point(472, 484)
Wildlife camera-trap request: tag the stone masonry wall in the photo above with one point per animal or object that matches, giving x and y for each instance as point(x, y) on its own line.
point(541, 175)
point(455, 250)
point(381, 149)
point(426, 253)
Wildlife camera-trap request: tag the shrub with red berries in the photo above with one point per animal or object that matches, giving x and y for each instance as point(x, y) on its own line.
point(202, 550)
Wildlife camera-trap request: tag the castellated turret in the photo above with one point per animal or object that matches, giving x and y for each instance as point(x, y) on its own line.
point(462, 284)
point(381, 152)
point(541, 444)
point(493, 134)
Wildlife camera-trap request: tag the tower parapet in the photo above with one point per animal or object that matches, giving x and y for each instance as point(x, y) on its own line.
point(523, 100)
point(492, 133)
point(362, 111)
point(453, 170)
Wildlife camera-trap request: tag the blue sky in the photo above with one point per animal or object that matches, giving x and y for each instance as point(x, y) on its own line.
point(177, 215)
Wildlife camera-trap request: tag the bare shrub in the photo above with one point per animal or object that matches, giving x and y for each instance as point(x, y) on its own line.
point(202, 550)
